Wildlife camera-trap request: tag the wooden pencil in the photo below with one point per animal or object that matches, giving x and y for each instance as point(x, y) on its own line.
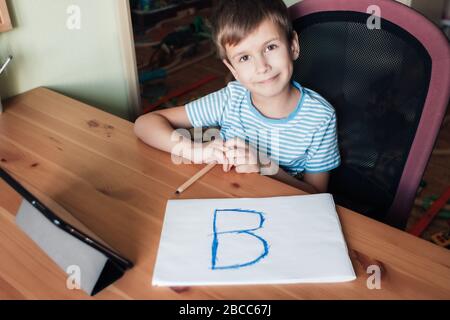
point(195, 177)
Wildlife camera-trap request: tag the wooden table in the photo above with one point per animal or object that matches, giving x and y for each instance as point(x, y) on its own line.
point(90, 163)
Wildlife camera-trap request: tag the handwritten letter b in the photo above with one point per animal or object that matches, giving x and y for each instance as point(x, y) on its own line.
point(236, 247)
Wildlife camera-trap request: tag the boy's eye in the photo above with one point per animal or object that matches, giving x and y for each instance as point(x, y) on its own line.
point(271, 47)
point(243, 58)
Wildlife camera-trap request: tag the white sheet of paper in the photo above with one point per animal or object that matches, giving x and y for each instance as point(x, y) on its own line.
point(293, 239)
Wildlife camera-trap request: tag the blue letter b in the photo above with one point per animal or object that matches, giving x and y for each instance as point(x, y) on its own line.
point(237, 244)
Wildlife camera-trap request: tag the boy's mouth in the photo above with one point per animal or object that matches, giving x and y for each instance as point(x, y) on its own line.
point(268, 80)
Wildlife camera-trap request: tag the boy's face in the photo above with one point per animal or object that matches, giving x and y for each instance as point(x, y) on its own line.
point(263, 61)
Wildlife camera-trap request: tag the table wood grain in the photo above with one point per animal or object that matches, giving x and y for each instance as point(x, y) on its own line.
point(82, 160)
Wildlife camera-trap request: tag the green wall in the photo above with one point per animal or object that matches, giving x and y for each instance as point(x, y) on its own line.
point(85, 64)
point(290, 2)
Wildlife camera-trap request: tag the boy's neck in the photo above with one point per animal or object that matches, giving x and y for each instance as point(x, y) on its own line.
point(280, 106)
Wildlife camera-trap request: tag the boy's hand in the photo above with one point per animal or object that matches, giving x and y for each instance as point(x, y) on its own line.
point(242, 156)
point(215, 151)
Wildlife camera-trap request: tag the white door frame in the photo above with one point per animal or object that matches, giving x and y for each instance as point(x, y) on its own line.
point(129, 58)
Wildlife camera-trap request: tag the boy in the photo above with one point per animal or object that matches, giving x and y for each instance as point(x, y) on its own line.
point(265, 119)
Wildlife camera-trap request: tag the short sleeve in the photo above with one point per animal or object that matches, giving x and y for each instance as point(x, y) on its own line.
point(208, 110)
point(323, 153)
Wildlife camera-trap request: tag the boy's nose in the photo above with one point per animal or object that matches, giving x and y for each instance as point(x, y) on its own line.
point(261, 65)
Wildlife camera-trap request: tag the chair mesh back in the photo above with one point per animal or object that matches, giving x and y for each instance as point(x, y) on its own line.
point(377, 80)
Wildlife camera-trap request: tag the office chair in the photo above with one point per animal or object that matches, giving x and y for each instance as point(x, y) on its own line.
point(390, 89)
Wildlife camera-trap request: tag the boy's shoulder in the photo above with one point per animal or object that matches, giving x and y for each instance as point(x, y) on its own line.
point(233, 93)
point(235, 87)
point(317, 103)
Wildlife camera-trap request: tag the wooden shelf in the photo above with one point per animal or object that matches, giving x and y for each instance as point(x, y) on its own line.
point(5, 21)
point(143, 20)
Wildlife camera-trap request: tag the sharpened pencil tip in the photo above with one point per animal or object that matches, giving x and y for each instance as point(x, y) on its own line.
point(177, 192)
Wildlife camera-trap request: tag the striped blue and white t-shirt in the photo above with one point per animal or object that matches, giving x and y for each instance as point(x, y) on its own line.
point(304, 141)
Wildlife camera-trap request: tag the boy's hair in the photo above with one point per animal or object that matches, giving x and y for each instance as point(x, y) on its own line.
point(233, 20)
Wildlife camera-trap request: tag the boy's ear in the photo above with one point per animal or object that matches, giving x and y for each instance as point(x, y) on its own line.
point(231, 68)
point(295, 47)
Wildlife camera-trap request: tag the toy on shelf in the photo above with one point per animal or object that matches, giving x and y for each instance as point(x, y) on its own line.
point(159, 50)
point(153, 5)
point(175, 65)
point(426, 203)
point(429, 215)
point(442, 238)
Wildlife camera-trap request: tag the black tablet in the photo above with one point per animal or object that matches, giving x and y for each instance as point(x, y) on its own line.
point(120, 261)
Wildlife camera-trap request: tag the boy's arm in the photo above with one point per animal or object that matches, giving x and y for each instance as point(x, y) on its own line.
point(318, 180)
point(156, 128)
point(246, 160)
point(312, 182)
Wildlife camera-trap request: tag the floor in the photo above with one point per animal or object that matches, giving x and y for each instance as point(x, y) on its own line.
point(210, 66)
point(437, 178)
